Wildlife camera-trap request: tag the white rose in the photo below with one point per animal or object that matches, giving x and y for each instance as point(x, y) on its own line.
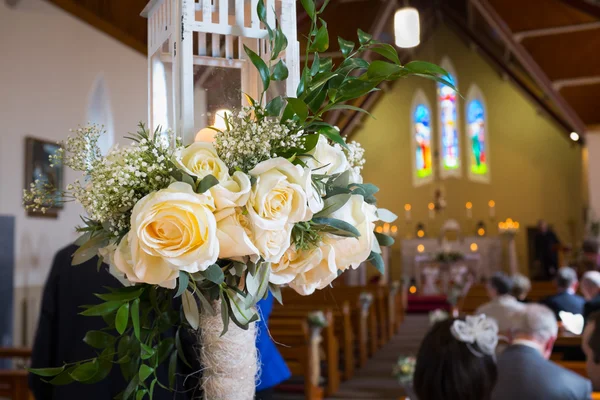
point(355, 176)
point(319, 275)
point(233, 192)
point(201, 159)
point(172, 230)
point(328, 160)
point(272, 244)
point(293, 263)
point(279, 196)
point(234, 232)
point(351, 252)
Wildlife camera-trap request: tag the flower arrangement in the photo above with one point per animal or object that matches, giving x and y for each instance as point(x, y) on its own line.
point(277, 199)
point(449, 256)
point(405, 369)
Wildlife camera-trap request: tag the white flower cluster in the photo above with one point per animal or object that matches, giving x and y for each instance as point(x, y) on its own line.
point(355, 154)
point(246, 142)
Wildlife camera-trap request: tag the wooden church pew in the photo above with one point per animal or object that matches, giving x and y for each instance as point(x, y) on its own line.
point(13, 382)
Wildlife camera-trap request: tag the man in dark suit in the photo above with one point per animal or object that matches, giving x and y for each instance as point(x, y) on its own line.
point(59, 337)
point(590, 287)
point(566, 298)
point(524, 369)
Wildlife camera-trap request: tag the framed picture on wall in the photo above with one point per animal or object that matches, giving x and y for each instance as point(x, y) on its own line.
point(38, 169)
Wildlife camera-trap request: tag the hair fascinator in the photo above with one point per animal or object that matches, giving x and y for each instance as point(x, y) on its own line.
point(479, 330)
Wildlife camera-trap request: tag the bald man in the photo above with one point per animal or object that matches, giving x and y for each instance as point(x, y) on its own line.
point(590, 288)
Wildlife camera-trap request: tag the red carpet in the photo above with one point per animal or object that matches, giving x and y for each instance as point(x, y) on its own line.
point(423, 304)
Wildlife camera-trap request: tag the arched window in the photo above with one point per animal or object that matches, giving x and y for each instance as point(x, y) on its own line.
point(99, 113)
point(477, 136)
point(448, 121)
point(420, 129)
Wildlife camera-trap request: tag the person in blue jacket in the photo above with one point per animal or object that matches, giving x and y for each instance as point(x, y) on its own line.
point(273, 368)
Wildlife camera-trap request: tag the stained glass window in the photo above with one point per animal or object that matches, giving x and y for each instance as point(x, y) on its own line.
point(421, 140)
point(477, 136)
point(448, 117)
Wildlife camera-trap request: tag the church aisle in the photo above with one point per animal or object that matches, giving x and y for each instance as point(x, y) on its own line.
point(375, 380)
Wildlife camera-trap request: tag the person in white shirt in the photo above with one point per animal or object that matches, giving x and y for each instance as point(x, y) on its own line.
point(502, 306)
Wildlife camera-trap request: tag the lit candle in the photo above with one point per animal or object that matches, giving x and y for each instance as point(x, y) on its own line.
point(431, 208)
point(492, 208)
point(407, 208)
point(469, 207)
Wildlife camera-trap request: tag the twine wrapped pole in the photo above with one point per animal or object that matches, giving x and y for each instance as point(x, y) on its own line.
point(229, 362)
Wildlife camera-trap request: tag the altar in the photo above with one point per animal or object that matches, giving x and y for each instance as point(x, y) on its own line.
point(481, 257)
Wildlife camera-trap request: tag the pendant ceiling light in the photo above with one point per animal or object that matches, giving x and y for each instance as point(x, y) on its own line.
point(406, 27)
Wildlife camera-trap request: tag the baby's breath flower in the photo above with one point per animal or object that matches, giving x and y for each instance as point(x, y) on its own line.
point(355, 154)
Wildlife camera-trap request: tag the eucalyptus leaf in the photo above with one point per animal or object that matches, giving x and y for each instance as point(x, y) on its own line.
point(224, 312)
point(206, 183)
point(214, 273)
point(260, 65)
point(280, 71)
point(81, 240)
point(384, 240)
point(84, 372)
point(206, 306)
point(185, 178)
point(122, 318)
point(342, 180)
point(386, 215)
point(190, 309)
point(184, 280)
point(337, 224)
point(346, 46)
point(377, 261)
point(89, 249)
point(102, 309)
point(241, 315)
point(276, 292)
point(332, 204)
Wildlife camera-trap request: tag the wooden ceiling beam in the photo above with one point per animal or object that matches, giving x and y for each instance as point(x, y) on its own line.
point(519, 36)
point(529, 64)
point(584, 6)
point(582, 81)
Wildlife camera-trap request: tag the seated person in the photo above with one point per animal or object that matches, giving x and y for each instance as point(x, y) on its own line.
point(273, 369)
point(524, 369)
point(521, 287)
point(590, 288)
point(456, 360)
point(566, 298)
point(590, 344)
point(502, 305)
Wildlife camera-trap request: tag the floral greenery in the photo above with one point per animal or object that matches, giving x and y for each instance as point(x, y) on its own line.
point(404, 370)
point(449, 256)
point(137, 317)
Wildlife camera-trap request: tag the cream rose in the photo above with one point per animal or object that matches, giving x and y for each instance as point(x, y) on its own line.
point(201, 159)
point(327, 159)
point(293, 263)
point(272, 244)
point(234, 232)
point(279, 196)
point(233, 192)
point(351, 252)
point(172, 230)
point(319, 275)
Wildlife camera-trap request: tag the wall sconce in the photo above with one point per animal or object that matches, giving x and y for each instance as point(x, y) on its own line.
point(420, 230)
point(481, 228)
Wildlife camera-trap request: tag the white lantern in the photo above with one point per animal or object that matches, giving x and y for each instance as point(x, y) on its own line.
point(406, 27)
point(197, 63)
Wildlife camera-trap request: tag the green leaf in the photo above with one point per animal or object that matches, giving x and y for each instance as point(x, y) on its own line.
point(280, 71)
point(85, 372)
point(346, 46)
point(46, 372)
point(122, 318)
point(130, 389)
point(310, 142)
point(206, 183)
point(145, 372)
point(260, 65)
point(315, 100)
point(321, 41)
point(333, 135)
point(363, 37)
point(342, 180)
point(89, 249)
point(309, 7)
point(224, 312)
point(377, 261)
point(151, 392)
point(280, 43)
point(276, 292)
point(206, 306)
point(314, 69)
point(172, 369)
point(179, 347)
point(273, 109)
point(240, 315)
point(185, 178)
point(122, 294)
point(384, 240)
point(190, 309)
point(165, 347)
point(99, 339)
point(104, 368)
point(424, 67)
point(325, 64)
point(258, 284)
point(184, 280)
point(102, 309)
point(140, 394)
point(332, 204)
point(296, 107)
point(339, 225)
point(64, 378)
point(388, 51)
point(135, 317)
point(214, 273)
point(304, 80)
point(81, 240)
point(354, 89)
point(147, 351)
point(382, 70)
point(261, 11)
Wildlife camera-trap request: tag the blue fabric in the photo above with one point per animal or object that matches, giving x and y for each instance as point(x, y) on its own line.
point(273, 368)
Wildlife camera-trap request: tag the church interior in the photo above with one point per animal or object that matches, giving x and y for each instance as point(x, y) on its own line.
point(500, 177)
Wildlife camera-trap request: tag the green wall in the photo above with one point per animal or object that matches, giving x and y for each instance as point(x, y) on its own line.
point(536, 172)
